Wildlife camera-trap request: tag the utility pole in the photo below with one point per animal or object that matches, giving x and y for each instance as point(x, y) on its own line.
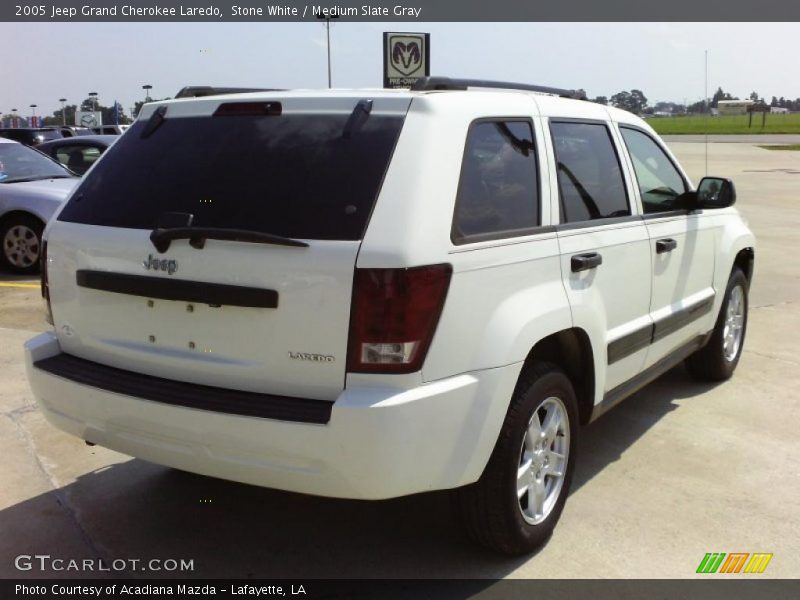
point(708, 109)
point(327, 19)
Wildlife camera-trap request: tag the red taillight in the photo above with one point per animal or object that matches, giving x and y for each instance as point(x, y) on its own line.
point(394, 316)
point(48, 315)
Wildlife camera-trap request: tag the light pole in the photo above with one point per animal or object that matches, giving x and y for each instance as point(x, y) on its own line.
point(93, 96)
point(63, 112)
point(327, 19)
point(33, 119)
point(708, 110)
point(147, 89)
point(14, 122)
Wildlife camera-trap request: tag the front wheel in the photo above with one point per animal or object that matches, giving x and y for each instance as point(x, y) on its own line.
point(21, 239)
point(717, 360)
point(516, 503)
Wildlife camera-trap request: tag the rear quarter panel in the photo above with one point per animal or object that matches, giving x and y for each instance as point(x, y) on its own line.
point(504, 294)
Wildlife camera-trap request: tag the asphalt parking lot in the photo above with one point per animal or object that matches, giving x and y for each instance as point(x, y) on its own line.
point(676, 471)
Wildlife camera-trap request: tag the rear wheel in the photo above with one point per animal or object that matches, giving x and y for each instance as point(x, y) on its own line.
point(717, 360)
point(21, 239)
point(516, 503)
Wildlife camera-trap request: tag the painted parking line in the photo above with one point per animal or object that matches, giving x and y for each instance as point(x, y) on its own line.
point(20, 285)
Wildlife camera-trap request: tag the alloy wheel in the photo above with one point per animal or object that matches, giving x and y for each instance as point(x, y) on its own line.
point(543, 460)
point(21, 246)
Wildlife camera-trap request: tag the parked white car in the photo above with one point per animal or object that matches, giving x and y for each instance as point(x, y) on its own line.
point(373, 293)
point(32, 187)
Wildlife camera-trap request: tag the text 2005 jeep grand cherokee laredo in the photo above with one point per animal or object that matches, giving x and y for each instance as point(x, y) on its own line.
point(367, 294)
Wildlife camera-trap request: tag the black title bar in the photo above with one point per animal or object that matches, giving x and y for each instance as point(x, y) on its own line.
point(400, 589)
point(399, 10)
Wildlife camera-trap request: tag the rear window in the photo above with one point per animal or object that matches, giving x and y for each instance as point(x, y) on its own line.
point(294, 175)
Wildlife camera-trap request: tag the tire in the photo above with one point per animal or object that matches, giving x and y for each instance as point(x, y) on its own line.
point(21, 244)
point(493, 513)
point(717, 360)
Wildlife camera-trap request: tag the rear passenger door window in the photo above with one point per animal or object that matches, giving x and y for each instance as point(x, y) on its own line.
point(77, 158)
point(590, 178)
point(660, 183)
point(498, 193)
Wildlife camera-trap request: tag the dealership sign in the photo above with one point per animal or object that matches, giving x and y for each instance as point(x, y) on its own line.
point(406, 58)
point(88, 119)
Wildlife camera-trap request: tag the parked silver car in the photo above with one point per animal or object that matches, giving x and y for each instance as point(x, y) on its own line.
point(77, 153)
point(32, 187)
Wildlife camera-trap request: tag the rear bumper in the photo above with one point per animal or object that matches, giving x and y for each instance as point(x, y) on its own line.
point(380, 442)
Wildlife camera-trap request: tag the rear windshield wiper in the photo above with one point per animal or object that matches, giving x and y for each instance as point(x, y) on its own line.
point(197, 237)
point(357, 118)
point(154, 122)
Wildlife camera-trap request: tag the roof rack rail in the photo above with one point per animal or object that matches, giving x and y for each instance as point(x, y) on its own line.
point(448, 83)
point(197, 91)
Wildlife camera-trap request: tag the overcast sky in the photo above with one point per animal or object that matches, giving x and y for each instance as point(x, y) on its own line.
point(40, 63)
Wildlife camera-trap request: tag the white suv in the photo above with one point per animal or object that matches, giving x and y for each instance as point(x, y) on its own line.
point(373, 293)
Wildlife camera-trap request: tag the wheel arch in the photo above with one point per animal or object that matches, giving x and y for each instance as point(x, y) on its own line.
point(745, 260)
point(571, 350)
point(6, 217)
point(736, 248)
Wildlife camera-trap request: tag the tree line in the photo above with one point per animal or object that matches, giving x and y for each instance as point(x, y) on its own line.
point(636, 102)
point(111, 115)
point(633, 101)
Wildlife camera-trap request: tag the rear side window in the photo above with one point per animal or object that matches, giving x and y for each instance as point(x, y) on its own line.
point(296, 175)
point(498, 193)
point(660, 183)
point(77, 159)
point(590, 179)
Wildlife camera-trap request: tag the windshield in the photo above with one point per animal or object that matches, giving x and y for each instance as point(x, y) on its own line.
point(293, 175)
point(20, 163)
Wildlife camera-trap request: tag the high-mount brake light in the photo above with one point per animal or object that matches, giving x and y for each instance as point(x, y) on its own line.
point(249, 109)
point(394, 316)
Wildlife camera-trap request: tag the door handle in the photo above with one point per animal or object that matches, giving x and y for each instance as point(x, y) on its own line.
point(584, 262)
point(665, 245)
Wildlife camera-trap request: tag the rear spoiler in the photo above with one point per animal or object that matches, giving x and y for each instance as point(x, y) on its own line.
point(197, 91)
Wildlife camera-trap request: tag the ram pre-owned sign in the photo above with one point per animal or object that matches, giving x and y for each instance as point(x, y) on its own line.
point(406, 58)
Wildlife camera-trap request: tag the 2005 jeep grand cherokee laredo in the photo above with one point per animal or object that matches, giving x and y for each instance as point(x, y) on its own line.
point(373, 293)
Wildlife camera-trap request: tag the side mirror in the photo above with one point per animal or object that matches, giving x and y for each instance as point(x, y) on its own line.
point(715, 192)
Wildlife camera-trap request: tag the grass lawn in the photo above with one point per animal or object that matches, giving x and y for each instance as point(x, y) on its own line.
point(725, 124)
point(782, 147)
